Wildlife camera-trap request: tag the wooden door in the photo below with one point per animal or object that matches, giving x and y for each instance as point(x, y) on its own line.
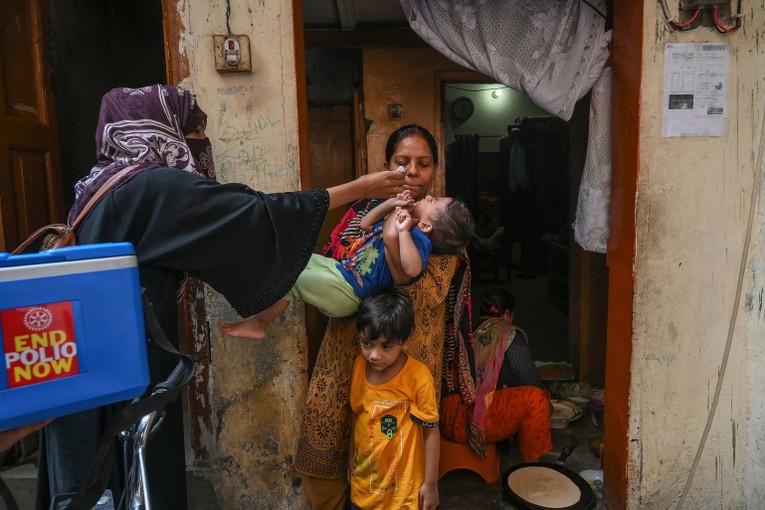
point(30, 175)
point(331, 143)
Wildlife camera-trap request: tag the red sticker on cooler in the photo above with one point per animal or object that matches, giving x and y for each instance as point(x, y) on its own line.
point(39, 343)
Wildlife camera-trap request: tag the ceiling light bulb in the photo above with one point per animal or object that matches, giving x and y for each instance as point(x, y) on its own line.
point(496, 93)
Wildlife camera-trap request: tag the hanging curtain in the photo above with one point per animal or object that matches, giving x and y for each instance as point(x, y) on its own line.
point(593, 209)
point(553, 51)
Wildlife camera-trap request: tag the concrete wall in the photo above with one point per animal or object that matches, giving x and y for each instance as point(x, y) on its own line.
point(693, 203)
point(258, 387)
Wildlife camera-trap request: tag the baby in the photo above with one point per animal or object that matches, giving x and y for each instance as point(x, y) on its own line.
point(400, 235)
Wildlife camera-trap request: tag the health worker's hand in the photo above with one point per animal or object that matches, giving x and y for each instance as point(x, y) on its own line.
point(383, 184)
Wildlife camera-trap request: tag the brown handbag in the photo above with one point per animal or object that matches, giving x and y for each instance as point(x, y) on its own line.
point(60, 235)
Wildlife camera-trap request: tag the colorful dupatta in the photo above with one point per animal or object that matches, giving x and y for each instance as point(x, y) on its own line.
point(491, 340)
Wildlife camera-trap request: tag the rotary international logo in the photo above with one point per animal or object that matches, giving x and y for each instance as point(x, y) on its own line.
point(38, 319)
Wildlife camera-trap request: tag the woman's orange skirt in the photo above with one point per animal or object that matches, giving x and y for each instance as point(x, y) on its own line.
point(524, 410)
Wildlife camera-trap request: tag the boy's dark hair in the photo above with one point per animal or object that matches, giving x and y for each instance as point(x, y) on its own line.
point(496, 301)
point(386, 312)
point(453, 229)
point(407, 131)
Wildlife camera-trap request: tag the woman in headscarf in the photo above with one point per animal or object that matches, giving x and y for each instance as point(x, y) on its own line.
point(440, 298)
point(509, 398)
point(180, 222)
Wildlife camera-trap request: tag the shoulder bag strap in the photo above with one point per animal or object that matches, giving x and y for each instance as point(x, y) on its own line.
point(58, 229)
point(61, 230)
point(100, 194)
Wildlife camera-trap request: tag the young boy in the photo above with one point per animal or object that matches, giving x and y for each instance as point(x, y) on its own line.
point(395, 436)
point(400, 236)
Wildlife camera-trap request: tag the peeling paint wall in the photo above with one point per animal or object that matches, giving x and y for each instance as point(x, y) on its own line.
point(258, 388)
point(694, 197)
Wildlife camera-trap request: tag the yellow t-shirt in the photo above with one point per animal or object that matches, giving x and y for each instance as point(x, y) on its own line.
point(389, 460)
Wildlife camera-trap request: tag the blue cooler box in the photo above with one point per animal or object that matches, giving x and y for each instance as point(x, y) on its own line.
point(71, 331)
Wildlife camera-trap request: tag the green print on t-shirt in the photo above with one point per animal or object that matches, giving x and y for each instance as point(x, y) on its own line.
point(388, 425)
point(366, 258)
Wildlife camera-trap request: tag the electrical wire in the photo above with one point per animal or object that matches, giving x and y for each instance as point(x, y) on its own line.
point(597, 11)
point(734, 315)
point(698, 18)
point(665, 8)
point(687, 25)
point(228, 16)
point(483, 89)
point(723, 29)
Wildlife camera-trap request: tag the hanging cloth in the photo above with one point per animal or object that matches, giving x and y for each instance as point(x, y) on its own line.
point(517, 176)
point(593, 209)
point(551, 51)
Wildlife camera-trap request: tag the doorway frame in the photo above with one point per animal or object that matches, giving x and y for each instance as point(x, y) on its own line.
point(440, 79)
point(627, 57)
point(627, 53)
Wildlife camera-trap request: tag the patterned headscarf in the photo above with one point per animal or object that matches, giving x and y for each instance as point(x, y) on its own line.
point(144, 127)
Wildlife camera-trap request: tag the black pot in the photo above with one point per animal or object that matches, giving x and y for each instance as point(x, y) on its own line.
point(586, 499)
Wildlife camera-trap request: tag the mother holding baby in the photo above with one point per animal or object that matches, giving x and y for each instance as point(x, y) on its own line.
point(439, 297)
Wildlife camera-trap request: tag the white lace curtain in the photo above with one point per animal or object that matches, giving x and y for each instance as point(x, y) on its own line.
point(593, 210)
point(552, 50)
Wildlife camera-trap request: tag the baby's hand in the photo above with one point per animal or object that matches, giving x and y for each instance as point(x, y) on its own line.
point(403, 200)
point(404, 221)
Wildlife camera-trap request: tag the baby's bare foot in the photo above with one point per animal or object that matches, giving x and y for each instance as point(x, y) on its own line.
point(243, 329)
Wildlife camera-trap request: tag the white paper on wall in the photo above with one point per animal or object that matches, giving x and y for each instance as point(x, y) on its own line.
point(695, 89)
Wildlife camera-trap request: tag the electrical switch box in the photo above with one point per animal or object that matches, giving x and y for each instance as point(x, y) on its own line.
point(232, 53)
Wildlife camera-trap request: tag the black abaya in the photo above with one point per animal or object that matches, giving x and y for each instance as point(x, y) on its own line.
point(247, 245)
